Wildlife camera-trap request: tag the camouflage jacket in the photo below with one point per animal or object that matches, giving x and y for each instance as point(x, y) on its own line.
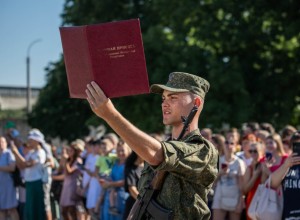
point(192, 168)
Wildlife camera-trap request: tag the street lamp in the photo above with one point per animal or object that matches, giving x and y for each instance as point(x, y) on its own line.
point(28, 73)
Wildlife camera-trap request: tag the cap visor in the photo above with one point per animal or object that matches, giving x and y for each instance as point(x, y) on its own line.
point(159, 89)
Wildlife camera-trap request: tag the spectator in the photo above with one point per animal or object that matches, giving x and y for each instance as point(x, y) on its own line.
point(104, 163)
point(252, 177)
point(244, 154)
point(88, 166)
point(104, 166)
point(235, 135)
point(262, 135)
point(50, 164)
point(218, 141)
point(250, 128)
point(115, 196)
point(275, 156)
point(133, 168)
point(94, 188)
point(14, 136)
point(288, 176)
point(206, 133)
point(70, 162)
point(24, 149)
point(286, 135)
point(56, 186)
point(114, 140)
point(267, 127)
point(8, 199)
point(33, 164)
point(228, 197)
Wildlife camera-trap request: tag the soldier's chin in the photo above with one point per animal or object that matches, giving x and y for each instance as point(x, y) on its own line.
point(166, 122)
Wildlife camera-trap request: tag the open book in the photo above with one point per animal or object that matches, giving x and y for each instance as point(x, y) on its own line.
point(111, 54)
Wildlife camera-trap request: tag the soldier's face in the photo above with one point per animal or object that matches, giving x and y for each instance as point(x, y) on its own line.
point(174, 105)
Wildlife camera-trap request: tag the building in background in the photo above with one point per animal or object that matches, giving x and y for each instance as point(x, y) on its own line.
point(14, 98)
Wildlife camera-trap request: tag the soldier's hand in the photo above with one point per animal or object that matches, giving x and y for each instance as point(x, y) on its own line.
point(98, 101)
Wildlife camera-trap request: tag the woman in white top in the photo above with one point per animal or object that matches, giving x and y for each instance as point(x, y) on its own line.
point(33, 172)
point(228, 197)
point(94, 187)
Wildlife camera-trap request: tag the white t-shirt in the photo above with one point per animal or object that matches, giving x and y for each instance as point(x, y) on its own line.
point(90, 164)
point(236, 168)
point(35, 172)
point(241, 155)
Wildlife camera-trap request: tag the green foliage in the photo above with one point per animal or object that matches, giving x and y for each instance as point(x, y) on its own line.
point(249, 51)
point(55, 113)
point(15, 114)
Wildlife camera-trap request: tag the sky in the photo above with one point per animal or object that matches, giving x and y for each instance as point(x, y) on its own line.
point(21, 23)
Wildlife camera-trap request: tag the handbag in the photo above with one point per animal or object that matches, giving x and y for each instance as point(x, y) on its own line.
point(229, 197)
point(267, 204)
point(80, 189)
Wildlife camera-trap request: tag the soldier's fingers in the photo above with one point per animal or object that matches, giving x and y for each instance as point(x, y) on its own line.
point(98, 89)
point(92, 91)
point(90, 98)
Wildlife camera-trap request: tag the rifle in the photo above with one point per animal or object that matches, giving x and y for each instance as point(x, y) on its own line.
point(146, 207)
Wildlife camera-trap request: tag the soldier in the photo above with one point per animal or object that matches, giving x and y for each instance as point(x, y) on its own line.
point(190, 162)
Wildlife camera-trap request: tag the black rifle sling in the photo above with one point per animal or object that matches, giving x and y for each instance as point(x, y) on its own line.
point(187, 121)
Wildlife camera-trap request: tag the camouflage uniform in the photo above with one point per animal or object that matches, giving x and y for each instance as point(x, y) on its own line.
point(191, 165)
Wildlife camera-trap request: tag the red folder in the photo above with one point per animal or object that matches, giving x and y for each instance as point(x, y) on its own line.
point(110, 54)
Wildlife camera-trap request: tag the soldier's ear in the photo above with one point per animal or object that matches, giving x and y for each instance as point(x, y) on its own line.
point(197, 101)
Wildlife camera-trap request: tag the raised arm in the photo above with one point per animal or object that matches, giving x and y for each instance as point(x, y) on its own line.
point(144, 145)
point(280, 173)
point(20, 160)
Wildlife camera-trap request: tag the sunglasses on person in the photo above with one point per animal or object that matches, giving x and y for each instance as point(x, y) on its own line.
point(252, 151)
point(229, 143)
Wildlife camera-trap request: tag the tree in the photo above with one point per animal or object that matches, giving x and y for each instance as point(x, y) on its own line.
point(55, 113)
point(249, 51)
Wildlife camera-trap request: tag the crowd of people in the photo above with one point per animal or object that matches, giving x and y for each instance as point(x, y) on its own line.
point(98, 178)
point(248, 159)
point(94, 178)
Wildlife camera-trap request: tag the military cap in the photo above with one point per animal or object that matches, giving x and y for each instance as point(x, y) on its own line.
point(183, 82)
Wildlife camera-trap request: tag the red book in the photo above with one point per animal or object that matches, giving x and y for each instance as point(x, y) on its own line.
point(110, 54)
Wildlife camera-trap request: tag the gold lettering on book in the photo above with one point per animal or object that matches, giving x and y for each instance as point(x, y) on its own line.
point(119, 51)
